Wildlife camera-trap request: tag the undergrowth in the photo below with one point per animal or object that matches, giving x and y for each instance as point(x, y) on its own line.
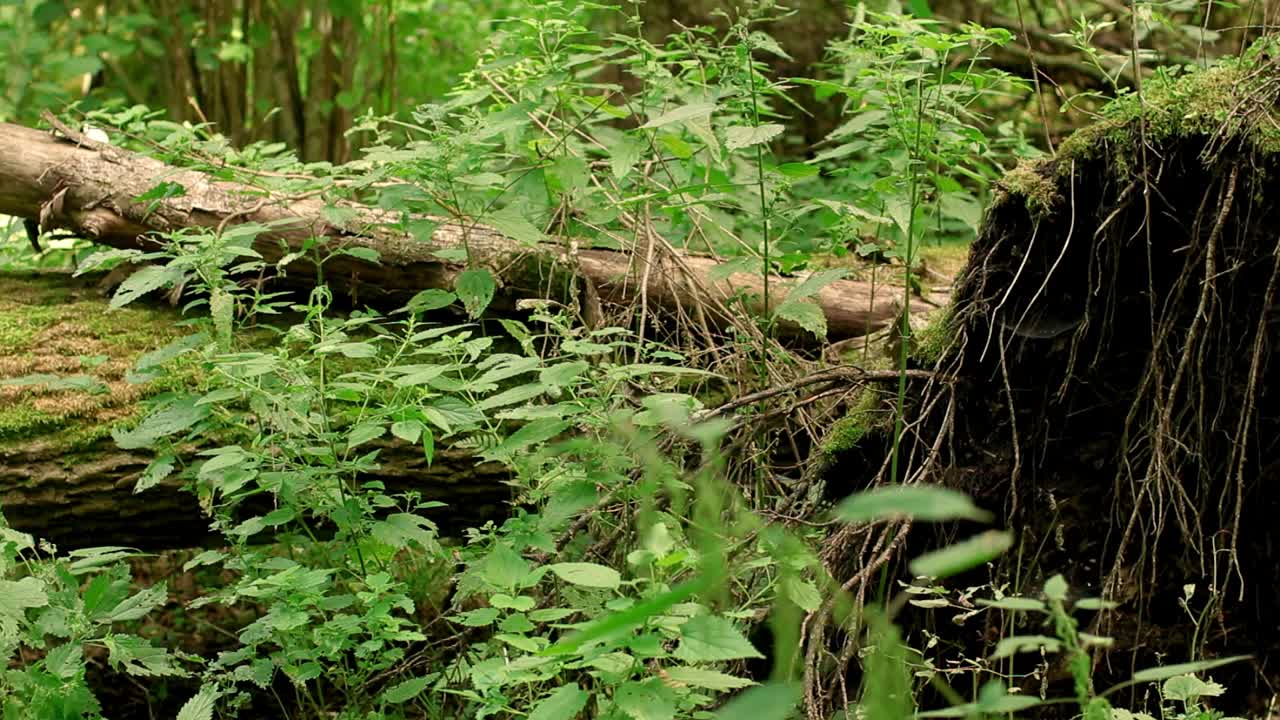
point(665, 556)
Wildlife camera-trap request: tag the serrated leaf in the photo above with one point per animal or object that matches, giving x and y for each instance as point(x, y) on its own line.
point(405, 691)
point(744, 136)
point(431, 299)
point(645, 701)
point(1186, 688)
point(564, 703)
point(803, 593)
point(564, 373)
point(199, 707)
point(512, 222)
point(520, 394)
point(534, 432)
point(807, 315)
point(18, 595)
point(363, 433)
point(798, 171)
point(710, 638)
point(587, 574)
point(814, 282)
point(157, 470)
point(407, 430)
point(681, 114)
point(567, 175)
point(480, 617)
point(141, 282)
point(919, 502)
point(624, 154)
point(138, 605)
point(475, 288)
point(170, 418)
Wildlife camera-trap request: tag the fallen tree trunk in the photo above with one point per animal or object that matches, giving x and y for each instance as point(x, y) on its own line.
point(90, 189)
point(91, 502)
point(62, 477)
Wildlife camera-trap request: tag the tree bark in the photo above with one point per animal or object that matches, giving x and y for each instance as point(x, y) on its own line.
point(89, 189)
point(91, 502)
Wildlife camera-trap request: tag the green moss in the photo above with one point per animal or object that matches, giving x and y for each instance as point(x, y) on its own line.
point(54, 324)
point(1232, 100)
point(1035, 182)
point(848, 431)
point(929, 343)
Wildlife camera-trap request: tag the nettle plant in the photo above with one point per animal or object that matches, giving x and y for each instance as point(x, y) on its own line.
point(290, 417)
point(917, 153)
point(56, 610)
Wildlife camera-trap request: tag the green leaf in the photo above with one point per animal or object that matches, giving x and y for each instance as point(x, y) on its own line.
point(1168, 671)
point(645, 701)
point(503, 567)
point(1055, 588)
point(138, 605)
point(479, 617)
point(587, 574)
point(814, 282)
point(168, 419)
point(366, 254)
point(65, 661)
point(807, 315)
point(962, 556)
point(681, 114)
point(1014, 644)
point(564, 703)
point(18, 595)
point(1186, 688)
point(405, 691)
point(138, 657)
point(363, 433)
point(476, 289)
point(919, 502)
point(512, 222)
point(798, 171)
point(431, 299)
point(568, 175)
point(1015, 603)
point(710, 638)
point(802, 592)
point(534, 432)
point(564, 373)
point(141, 282)
point(407, 430)
point(519, 394)
point(200, 706)
point(773, 701)
point(709, 679)
point(625, 620)
point(157, 470)
point(744, 136)
point(624, 154)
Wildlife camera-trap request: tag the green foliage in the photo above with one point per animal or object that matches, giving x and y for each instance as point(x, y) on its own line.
point(636, 564)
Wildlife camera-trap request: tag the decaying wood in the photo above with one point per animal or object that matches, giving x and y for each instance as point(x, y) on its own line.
point(90, 502)
point(89, 189)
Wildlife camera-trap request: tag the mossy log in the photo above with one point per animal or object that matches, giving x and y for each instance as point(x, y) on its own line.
point(90, 189)
point(63, 479)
